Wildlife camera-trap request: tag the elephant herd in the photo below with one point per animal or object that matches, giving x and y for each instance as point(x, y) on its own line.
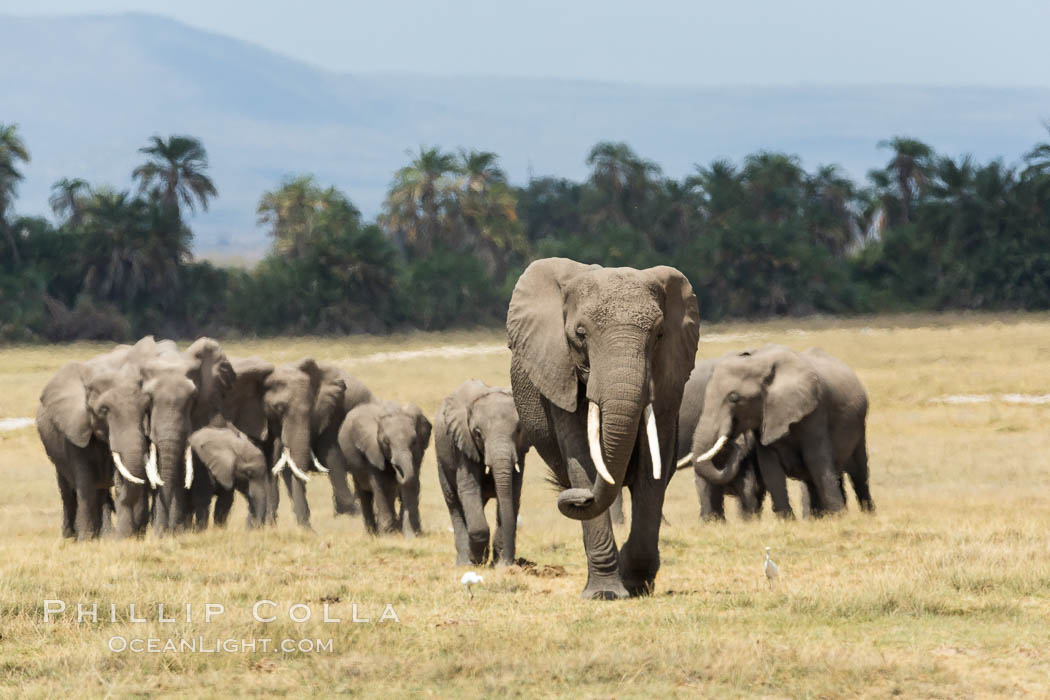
point(604, 385)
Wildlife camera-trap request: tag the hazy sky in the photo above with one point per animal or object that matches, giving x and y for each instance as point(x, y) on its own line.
point(767, 42)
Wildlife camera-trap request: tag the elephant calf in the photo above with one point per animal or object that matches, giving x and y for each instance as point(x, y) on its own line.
point(737, 473)
point(233, 462)
point(481, 455)
point(383, 443)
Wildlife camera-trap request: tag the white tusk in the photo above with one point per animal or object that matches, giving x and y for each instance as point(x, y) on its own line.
point(189, 467)
point(714, 450)
point(281, 463)
point(295, 467)
point(317, 463)
point(594, 442)
point(124, 470)
point(654, 440)
point(488, 469)
point(151, 467)
point(685, 461)
point(517, 467)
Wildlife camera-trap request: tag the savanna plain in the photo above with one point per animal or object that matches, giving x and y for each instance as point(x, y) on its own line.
point(943, 592)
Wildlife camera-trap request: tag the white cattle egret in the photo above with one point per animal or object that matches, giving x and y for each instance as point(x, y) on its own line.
point(469, 579)
point(770, 568)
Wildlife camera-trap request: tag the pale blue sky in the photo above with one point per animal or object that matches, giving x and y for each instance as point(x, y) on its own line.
point(756, 42)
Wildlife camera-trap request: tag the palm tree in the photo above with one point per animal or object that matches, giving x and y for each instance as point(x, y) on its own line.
point(120, 256)
point(69, 198)
point(12, 150)
point(486, 207)
point(419, 193)
point(298, 210)
point(624, 178)
point(177, 171)
point(910, 168)
point(832, 205)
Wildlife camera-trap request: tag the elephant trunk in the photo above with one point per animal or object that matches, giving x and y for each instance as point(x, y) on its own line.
point(503, 462)
point(716, 454)
point(171, 456)
point(295, 453)
point(617, 393)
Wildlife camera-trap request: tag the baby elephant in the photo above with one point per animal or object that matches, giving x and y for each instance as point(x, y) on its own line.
point(233, 462)
point(739, 474)
point(384, 442)
point(481, 454)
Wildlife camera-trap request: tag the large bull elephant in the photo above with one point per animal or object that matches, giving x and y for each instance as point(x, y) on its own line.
point(185, 392)
point(283, 409)
point(599, 357)
point(93, 419)
point(737, 473)
point(383, 443)
point(481, 455)
point(808, 410)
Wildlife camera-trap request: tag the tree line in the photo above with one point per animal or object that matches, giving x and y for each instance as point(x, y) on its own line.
point(762, 237)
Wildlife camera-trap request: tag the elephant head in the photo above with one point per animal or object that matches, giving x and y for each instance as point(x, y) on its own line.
point(234, 461)
point(614, 343)
point(185, 392)
point(765, 391)
point(483, 423)
point(392, 436)
point(286, 405)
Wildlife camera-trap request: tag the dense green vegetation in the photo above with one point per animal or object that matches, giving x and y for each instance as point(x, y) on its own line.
point(760, 238)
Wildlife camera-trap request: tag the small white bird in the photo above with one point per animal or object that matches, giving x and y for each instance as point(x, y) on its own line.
point(470, 578)
point(771, 569)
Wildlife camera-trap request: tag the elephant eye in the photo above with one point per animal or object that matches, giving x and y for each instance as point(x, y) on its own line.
point(103, 410)
point(477, 433)
point(581, 333)
point(733, 397)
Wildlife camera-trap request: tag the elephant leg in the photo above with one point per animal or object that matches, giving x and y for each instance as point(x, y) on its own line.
point(603, 560)
point(130, 507)
point(469, 494)
point(88, 517)
point(616, 510)
point(455, 514)
point(504, 544)
point(297, 490)
point(776, 482)
point(640, 554)
point(223, 503)
point(107, 508)
point(257, 494)
point(712, 503)
point(383, 501)
point(810, 500)
point(816, 455)
point(368, 512)
point(69, 505)
point(273, 498)
point(343, 498)
point(858, 475)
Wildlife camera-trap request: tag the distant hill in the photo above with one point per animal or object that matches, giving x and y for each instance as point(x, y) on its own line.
point(88, 91)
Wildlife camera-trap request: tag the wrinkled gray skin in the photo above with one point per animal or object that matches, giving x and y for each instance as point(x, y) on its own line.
point(88, 410)
point(741, 476)
point(326, 441)
point(808, 410)
point(620, 338)
point(185, 390)
point(285, 407)
point(383, 443)
point(481, 455)
point(232, 461)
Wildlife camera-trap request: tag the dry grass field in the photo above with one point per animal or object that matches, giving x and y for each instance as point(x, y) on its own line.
point(944, 592)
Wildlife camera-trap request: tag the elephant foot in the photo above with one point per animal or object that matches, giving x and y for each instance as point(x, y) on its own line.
point(640, 588)
point(713, 518)
point(868, 506)
point(605, 590)
point(786, 514)
point(347, 509)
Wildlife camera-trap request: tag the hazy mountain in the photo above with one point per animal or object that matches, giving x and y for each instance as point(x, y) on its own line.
point(87, 92)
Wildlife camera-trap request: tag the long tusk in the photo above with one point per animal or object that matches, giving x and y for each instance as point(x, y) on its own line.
point(317, 463)
point(151, 466)
point(189, 467)
point(654, 440)
point(517, 466)
point(684, 461)
point(281, 463)
point(124, 470)
point(295, 467)
point(714, 450)
point(594, 442)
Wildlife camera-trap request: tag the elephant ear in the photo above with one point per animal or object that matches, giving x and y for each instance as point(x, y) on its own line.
point(423, 426)
point(243, 405)
point(64, 402)
point(536, 328)
point(675, 353)
point(212, 372)
point(456, 413)
point(792, 391)
point(356, 392)
point(329, 389)
point(361, 431)
point(216, 448)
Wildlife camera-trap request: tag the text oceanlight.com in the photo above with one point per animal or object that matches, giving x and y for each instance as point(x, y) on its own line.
point(202, 645)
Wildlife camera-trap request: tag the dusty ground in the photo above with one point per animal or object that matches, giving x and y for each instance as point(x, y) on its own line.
point(942, 593)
